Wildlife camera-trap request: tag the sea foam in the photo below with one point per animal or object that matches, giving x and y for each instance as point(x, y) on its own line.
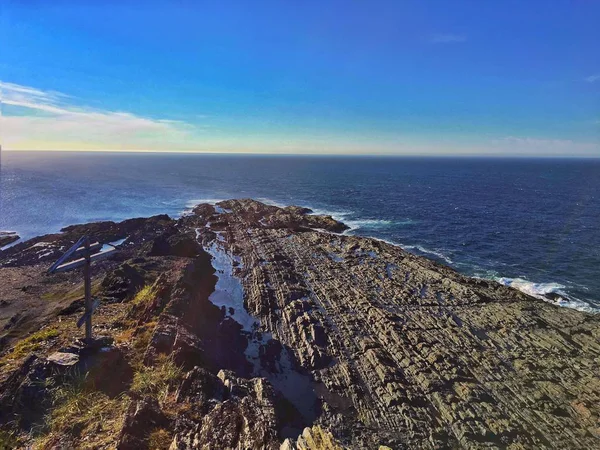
point(428, 251)
point(541, 290)
point(357, 223)
point(538, 290)
point(191, 204)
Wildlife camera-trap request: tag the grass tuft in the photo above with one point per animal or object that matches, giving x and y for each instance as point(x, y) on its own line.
point(157, 380)
point(144, 296)
point(9, 439)
point(81, 411)
point(160, 439)
point(33, 342)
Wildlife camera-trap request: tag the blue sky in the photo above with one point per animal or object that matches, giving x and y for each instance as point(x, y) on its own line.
point(377, 77)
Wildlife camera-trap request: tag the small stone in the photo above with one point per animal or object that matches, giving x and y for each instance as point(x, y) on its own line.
point(63, 359)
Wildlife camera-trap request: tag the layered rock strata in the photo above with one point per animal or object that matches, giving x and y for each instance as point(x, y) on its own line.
point(287, 334)
point(402, 351)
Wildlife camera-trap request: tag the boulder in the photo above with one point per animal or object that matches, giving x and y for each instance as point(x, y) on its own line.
point(122, 283)
point(141, 419)
point(237, 413)
point(177, 244)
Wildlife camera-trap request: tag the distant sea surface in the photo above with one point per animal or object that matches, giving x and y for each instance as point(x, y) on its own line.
point(532, 224)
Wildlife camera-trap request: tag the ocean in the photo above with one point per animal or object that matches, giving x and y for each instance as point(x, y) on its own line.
point(529, 223)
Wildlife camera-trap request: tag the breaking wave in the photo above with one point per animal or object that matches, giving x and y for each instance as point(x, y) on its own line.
point(190, 204)
point(356, 224)
point(549, 292)
point(211, 201)
point(427, 251)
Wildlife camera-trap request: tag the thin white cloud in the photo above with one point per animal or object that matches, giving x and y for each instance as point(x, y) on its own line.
point(64, 124)
point(31, 98)
point(447, 38)
point(34, 119)
point(593, 78)
point(528, 146)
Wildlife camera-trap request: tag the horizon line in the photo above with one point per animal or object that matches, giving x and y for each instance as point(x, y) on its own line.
point(258, 153)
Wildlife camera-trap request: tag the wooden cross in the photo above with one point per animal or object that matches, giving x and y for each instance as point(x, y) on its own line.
point(83, 253)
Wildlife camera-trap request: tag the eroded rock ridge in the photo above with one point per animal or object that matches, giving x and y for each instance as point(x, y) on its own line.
point(270, 328)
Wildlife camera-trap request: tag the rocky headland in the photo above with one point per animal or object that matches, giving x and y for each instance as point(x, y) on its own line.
point(248, 326)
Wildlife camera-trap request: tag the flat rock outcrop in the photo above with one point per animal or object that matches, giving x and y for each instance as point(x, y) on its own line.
point(246, 325)
point(404, 352)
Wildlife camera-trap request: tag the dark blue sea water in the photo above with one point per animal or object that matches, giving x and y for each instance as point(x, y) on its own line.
point(530, 223)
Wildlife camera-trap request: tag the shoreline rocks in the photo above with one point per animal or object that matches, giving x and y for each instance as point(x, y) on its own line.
point(401, 351)
point(355, 343)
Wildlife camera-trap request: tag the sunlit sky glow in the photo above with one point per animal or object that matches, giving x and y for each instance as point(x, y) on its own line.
point(340, 77)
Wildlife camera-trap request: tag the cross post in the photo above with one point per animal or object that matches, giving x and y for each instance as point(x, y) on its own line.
point(88, 291)
point(83, 253)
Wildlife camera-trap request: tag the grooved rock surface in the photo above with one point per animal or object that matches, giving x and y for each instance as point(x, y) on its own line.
point(394, 349)
point(232, 413)
point(248, 326)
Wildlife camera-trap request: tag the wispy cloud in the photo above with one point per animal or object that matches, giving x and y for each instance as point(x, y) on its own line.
point(529, 146)
point(35, 119)
point(593, 78)
point(48, 119)
point(447, 38)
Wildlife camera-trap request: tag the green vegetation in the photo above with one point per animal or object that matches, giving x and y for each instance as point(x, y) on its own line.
point(160, 439)
point(9, 440)
point(74, 293)
point(82, 416)
point(144, 296)
point(82, 411)
point(157, 380)
point(33, 342)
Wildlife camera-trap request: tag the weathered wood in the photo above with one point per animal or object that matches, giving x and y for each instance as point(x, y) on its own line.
point(68, 254)
point(88, 291)
point(79, 253)
point(80, 262)
point(82, 251)
point(83, 318)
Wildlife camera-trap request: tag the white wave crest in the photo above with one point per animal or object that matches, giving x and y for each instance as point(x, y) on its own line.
point(191, 204)
point(271, 202)
point(367, 223)
point(355, 223)
point(541, 290)
point(198, 201)
point(337, 215)
point(422, 249)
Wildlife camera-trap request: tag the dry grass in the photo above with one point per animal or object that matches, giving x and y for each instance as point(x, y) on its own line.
point(9, 439)
point(83, 417)
point(136, 335)
point(80, 411)
point(160, 439)
point(157, 380)
point(70, 294)
point(137, 339)
point(33, 342)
